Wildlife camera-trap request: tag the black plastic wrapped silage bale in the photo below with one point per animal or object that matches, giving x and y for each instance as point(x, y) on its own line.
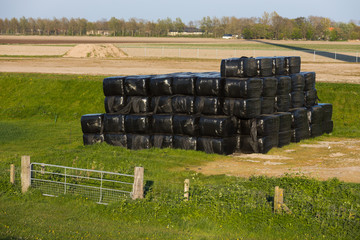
point(162, 141)
point(268, 105)
point(269, 86)
point(114, 104)
point(183, 104)
point(208, 105)
point(285, 119)
point(279, 65)
point(161, 104)
point(114, 86)
point(162, 124)
point(315, 114)
point(310, 78)
point(116, 139)
point(138, 141)
point(258, 145)
point(160, 85)
point(137, 85)
point(327, 111)
point(284, 138)
point(299, 118)
point(137, 104)
point(316, 130)
point(284, 85)
point(311, 97)
point(186, 124)
point(184, 84)
point(264, 125)
point(217, 126)
point(328, 126)
point(92, 138)
point(92, 123)
point(138, 123)
point(297, 99)
point(242, 108)
point(238, 67)
point(298, 134)
point(208, 85)
point(222, 146)
point(264, 66)
point(283, 102)
point(114, 123)
point(297, 82)
point(293, 64)
point(185, 142)
point(243, 87)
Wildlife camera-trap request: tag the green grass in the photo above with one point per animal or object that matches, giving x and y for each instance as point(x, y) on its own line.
point(40, 117)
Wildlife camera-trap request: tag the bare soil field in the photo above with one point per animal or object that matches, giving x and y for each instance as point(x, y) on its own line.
point(321, 159)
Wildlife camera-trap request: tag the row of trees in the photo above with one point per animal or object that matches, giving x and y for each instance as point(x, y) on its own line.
point(269, 26)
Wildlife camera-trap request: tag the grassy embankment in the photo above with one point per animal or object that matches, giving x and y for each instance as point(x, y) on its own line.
point(40, 116)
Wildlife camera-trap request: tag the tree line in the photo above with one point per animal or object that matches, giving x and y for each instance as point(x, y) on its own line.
point(268, 26)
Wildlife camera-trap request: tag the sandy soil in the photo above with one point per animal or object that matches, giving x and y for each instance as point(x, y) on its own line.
point(95, 51)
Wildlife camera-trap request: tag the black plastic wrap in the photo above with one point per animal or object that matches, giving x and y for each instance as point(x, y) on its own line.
point(293, 64)
point(310, 78)
point(137, 104)
point(247, 126)
point(162, 141)
point(186, 125)
point(184, 142)
point(137, 85)
point(283, 102)
point(264, 66)
point(259, 145)
point(114, 86)
point(298, 134)
point(297, 82)
point(184, 84)
point(183, 104)
point(269, 86)
point(268, 105)
point(114, 123)
point(243, 87)
point(217, 126)
point(114, 104)
point(223, 146)
point(138, 123)
point(116, 139)
point(208, 85)
point(137, 141)
point(92, 138)
point(299, 118)
point(268, 124)
point(160, 85)
point(327, 111)
point(242, 108)
point(162, 123)
point(284, 85)
point(285, 119)
point(161, 104)
point(284, 138)
point(316, 130)
point(315, 114)
point(311, 97)
point(279, 65)
point(238, 67)
point(208, 105)
point(297, 99)
point(92, 123)
point(328, 126)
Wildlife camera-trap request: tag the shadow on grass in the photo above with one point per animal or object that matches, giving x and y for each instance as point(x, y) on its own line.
point(331, 55)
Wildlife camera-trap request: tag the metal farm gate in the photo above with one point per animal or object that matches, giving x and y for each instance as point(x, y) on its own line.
point(99, 186)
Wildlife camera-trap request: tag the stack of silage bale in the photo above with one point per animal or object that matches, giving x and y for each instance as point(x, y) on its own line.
point(252, 105)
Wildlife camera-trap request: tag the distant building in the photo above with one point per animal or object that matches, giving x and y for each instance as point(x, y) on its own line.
point(188, 31)
point(229, 36)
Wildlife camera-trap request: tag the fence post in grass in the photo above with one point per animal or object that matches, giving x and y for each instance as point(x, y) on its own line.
point(186, 189)
point(25, 173)
point(278, 199)
point(12, 174)
point(138, 189)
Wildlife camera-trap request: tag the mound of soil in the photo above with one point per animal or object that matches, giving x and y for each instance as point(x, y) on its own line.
point(95, 51)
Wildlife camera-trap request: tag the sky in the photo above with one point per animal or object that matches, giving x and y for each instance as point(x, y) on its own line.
point(187, 10)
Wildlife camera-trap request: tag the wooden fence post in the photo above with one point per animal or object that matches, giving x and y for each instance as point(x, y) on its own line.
point(186, 189)
point(12, 174)
point(25, 173)
point(279, 204)
point(138, 187)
